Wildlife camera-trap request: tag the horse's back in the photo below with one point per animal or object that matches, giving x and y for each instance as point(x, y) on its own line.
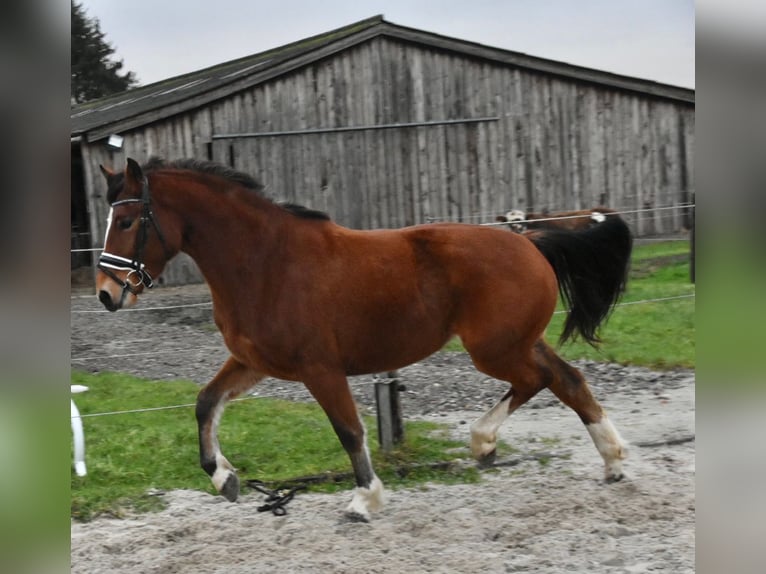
point(473, 253)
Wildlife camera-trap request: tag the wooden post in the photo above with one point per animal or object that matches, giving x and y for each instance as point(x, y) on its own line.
point(389, 413)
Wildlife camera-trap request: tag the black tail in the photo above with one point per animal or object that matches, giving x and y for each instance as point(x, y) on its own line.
point(592, 269)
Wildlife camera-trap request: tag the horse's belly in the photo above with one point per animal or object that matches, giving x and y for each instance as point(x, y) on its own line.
point(391, 345)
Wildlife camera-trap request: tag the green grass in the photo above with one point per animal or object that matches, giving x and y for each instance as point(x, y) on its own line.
point(131, 455)
point(658, 335)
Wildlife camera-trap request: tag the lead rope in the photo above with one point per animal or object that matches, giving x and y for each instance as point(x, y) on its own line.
point(277, 499)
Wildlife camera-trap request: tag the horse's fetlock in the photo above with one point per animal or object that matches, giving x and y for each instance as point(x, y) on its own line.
point(208, 466)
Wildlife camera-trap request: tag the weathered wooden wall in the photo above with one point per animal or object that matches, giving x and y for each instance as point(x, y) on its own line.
point(530, 141)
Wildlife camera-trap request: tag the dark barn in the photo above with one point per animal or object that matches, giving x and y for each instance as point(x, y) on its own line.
point(382, 125)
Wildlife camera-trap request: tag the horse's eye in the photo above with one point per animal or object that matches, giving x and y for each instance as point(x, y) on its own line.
point(125, 223)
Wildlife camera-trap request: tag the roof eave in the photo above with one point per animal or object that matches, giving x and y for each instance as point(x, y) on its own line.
point(533, 63)
point(221, 91)
point(362, 31)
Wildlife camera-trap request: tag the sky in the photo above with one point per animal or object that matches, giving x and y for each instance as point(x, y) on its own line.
point(647, 39)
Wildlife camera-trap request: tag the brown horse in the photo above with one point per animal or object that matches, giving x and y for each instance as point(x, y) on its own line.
point(300, 298)
point(519, 221)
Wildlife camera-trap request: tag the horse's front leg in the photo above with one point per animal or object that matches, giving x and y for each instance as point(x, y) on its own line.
point(334, 396)
point(232, 380)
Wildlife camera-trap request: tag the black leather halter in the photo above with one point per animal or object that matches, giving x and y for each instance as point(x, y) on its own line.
point(137, 273)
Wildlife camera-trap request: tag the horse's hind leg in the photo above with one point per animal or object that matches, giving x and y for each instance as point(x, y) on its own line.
point(484, 429)
point(232, 380)
point(530, 372)
point(334, 396)
point(570, 387)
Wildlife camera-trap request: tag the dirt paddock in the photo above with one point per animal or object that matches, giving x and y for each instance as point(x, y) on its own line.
point(531, 517)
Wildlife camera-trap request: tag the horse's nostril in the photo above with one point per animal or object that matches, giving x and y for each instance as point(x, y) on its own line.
point(106, 300)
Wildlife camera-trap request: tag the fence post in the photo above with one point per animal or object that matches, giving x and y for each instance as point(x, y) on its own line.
point(389, 413)
point(78, 435)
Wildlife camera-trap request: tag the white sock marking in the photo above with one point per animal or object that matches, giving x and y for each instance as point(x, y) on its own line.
point(609, 444)
point(223, 469)
point(484, 430)
point(367, 500)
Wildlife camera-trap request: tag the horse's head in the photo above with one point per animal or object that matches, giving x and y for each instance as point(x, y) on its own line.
point(136, 246)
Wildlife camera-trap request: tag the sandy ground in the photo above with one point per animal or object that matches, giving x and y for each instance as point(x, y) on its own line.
point(531, 517)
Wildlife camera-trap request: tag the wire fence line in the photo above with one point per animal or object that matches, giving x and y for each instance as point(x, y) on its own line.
point(435, 219)
point(157, 308)
point(194, 350)
point(657, 300)
point(494, 214)
point(187, 350)
point(151, 409)
point(145, 354)
point(494, 223)
point(209, 303)
point(659, 239)
point(565, 217)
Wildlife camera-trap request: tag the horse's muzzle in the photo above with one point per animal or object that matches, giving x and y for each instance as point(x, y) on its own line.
point(106, 300)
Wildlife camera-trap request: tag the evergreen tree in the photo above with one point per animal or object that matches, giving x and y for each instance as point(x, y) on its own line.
point(94, 73)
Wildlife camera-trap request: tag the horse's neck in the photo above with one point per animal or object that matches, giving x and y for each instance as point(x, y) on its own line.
point(228, 238)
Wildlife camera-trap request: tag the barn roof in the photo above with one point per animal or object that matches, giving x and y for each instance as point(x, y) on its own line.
point(136, 107)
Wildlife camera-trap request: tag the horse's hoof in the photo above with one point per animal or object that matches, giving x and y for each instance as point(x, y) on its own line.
point(353, 516)
point(230, 489)
point(613, 471)
point(487, 460)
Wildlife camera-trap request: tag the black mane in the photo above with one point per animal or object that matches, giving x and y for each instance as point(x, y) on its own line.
point(218, 170)
point(303, 211)
point(208, 167)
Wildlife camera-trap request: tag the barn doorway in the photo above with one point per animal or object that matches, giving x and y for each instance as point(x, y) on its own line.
point(81, 261)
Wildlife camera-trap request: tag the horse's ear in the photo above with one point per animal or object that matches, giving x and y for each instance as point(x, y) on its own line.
point(134, 170)
point(107, 172)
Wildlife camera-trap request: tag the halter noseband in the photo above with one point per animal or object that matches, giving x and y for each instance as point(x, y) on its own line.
point(137, 273)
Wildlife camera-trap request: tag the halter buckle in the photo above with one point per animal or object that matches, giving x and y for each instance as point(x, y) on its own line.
point(138, 274)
